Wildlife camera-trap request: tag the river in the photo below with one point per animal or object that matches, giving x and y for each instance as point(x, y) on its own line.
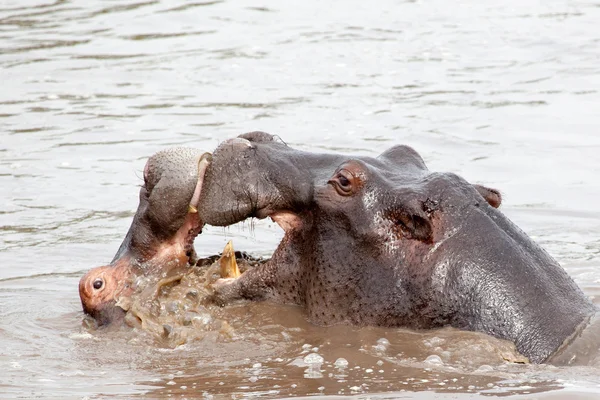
point(504, 93)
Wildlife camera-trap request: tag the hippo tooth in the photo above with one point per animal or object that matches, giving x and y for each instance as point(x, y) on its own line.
point(203, 163)
point(241, 141)
point(229, 267)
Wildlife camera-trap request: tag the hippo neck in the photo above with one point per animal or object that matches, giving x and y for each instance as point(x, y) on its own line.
point(537, 330)
point(136, 244)
point(521, 295)
point(148, 254)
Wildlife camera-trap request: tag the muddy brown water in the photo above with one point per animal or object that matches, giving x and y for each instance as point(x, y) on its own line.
point(504, 93)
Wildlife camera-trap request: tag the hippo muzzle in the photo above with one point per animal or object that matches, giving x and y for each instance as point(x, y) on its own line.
point(161, 236)
point(384, 241)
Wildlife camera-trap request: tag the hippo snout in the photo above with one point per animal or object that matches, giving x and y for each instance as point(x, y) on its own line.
point(99, 290)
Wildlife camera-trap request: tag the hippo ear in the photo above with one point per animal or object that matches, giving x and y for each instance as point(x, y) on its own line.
point(492, 196)
point(403, 155)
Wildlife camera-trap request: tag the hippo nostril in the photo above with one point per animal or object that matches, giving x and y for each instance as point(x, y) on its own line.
point(98, 283)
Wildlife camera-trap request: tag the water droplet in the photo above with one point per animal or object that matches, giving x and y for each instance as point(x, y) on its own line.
point(484, 368)
point(81, 336)
point(380, 348)
point(202, 320)
point(434, 359)
point(313, 358)
point(341, 363)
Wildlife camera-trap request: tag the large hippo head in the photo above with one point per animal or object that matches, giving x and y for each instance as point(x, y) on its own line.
point(384, 241)
point(161, 236)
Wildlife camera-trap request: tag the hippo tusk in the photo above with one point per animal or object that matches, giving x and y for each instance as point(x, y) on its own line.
point(239, 140)
point(229, 267)
point(203, 163)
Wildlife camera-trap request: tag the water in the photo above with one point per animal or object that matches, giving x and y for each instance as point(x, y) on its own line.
point(504, 93)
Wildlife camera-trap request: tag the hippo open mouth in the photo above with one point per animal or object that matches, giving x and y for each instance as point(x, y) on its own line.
point(161, 236)
point(384, 241)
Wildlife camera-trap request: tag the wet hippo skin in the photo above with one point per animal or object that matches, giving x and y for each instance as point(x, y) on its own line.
point(384, 241)
point(161, 236)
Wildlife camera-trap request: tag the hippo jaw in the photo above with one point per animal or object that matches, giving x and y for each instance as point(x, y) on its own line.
point(161, 236)
point(383, 241)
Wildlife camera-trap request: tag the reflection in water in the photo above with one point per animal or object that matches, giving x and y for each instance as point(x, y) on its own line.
point(504, 94)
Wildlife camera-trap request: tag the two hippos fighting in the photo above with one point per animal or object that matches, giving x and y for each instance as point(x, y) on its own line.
point(368, 241)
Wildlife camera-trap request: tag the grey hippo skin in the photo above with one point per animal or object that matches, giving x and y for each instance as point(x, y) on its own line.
point(383, 241)
point(161, 236)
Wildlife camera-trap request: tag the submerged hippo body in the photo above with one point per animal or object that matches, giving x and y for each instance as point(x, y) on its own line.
point(384, 241)
point(161, 235)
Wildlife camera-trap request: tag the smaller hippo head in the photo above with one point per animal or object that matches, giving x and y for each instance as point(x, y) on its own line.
point(161, 236)
point(384, 241)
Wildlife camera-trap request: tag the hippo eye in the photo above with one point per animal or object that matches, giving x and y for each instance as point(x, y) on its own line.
point(343, 183)
point(98, 283)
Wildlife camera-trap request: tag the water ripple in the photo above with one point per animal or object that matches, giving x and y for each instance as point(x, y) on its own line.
point(504, 93)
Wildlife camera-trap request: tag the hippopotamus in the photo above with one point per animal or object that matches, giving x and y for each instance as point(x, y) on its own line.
point(384, 241)
point(161, 235)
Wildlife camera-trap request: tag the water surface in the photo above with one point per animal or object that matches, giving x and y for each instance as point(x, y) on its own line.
point(504, 93)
